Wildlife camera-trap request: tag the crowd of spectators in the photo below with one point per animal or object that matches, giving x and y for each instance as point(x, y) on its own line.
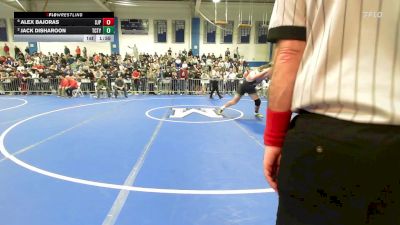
point(43, 72)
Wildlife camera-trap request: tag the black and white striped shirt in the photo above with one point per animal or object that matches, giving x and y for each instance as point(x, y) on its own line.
point(351, 65)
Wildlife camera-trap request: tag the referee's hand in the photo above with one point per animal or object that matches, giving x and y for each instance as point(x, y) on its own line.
point(272, 158)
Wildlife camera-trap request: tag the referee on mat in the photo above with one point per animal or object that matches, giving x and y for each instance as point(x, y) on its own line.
point(337, 63)
point(214, 81)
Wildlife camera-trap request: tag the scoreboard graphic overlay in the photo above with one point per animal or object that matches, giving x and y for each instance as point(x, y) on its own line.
point(64, 26)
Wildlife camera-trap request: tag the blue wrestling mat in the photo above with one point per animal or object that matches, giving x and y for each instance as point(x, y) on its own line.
point(144, 160)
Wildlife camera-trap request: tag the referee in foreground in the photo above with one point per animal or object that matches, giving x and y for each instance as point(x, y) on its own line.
point(337, 63)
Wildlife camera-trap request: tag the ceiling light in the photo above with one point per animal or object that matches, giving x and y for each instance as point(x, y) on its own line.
point(216, 1)
point(123, 3)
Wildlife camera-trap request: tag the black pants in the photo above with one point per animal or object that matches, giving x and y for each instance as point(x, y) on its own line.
point(69, 91)
point(116, 89)
point(214, 87)
point(335, 172)
point(151, 88)
point(136, 84)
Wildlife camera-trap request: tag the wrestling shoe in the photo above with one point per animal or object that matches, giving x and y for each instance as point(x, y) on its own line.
point(258, 115)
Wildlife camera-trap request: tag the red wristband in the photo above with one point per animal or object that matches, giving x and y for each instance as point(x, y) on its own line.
point(276, 127)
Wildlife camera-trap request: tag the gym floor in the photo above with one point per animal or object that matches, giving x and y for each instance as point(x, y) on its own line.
point(86, 161)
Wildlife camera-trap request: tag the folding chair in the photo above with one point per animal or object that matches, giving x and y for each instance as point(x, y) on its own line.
point(77, 92)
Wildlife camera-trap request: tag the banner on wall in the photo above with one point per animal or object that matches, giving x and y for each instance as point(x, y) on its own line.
point(3, 30)
point(134, 26)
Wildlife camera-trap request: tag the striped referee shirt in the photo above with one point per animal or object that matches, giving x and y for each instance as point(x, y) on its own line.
point(351, 64)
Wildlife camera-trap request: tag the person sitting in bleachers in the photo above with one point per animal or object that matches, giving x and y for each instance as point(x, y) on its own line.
point(178, 62)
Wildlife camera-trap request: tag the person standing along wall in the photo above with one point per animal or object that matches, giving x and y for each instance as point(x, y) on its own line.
point(214, 81)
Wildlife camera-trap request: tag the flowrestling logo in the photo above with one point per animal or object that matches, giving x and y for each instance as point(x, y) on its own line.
point(183, 112)
point(192, 114)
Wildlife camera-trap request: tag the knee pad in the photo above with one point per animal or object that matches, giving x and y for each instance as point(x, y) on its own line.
point(257, 102)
